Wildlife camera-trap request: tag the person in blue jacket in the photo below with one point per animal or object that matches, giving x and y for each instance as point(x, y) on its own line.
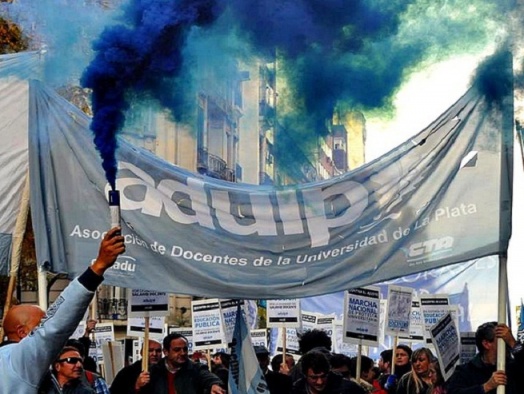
point(34, 339)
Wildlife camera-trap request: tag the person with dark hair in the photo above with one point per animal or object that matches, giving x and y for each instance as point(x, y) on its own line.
point(220, 366)
point(88, 376)
point(340, 363)
point(402, 365)
point(311, 340)
point(132, 378)
point(318, 377)
point(35, 338)
point(376, 372)
point(367, 375)
point(66, 376)
point(221, 358)
point(176, 373)
point(277, 383)
point(480, 374)
point(384, 370)
point(403, 355)
point(277, 365)
point(417, 381)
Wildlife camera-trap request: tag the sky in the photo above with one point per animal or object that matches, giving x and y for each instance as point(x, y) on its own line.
point(421, 99)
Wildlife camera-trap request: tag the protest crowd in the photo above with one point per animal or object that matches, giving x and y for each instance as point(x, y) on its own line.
point(38, 356)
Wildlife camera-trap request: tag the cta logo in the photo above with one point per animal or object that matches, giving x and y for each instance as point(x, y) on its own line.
point(429, 248)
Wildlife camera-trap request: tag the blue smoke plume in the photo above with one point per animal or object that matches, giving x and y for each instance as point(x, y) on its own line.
point(143, 59)
point(333, 54)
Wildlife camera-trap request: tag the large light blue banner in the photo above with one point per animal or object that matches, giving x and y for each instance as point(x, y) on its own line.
point(442, 197)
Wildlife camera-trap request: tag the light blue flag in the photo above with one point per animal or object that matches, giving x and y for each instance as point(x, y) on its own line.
point(245, 375)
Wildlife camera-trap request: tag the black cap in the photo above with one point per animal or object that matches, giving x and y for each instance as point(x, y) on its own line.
point(261, 350)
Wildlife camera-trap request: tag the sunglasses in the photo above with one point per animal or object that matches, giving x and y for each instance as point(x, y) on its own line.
point(71, 360)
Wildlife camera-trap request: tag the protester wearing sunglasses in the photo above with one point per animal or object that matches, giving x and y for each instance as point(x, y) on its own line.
point(66, 373)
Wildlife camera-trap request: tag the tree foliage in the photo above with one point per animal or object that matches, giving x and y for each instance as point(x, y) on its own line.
point(12, 39)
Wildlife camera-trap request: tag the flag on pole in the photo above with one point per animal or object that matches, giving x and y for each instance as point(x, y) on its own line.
point(245, 375)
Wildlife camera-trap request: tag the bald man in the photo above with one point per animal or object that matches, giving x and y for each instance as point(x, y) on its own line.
point(132, 378)
point(34, 339)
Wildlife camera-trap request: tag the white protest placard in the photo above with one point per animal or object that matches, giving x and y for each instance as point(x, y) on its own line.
point(433, 307)
point(186, 332)
point(398, 316)
point(103, 332)
point(339, 346)
point(325, 323)
point(251, 310)
point(229, 316)
point(446, 340)
point(113, 353)
point(416, 324)
point(283, 313)
point(308, 321)
point(136, 327)
point(468, 346)
point(147, 303)
point(291, 341)
point(259, 337)
point(208, 330)
point(93, 353)
point(362, 315)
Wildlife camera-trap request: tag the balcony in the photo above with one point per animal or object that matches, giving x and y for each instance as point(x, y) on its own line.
point(211, 165)
point(230, 175)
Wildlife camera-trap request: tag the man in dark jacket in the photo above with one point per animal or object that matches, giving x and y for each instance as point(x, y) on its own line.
point(480, 374)
point(66, 375)
point(130, 379)
point(315, 339)
point(177, 374)
point(318, 379)
point(89, 377)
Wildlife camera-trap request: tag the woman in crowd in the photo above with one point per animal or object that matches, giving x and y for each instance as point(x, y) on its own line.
point(418, 380)
point(402, 360)
point(437, 380)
